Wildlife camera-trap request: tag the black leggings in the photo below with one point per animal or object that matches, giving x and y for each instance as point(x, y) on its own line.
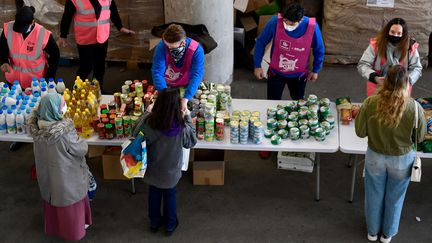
point(276, 85)
point(92, 57)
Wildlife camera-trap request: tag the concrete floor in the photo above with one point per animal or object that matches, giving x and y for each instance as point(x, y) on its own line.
point(257, 204)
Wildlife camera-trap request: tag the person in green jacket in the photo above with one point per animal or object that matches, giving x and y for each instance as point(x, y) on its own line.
point(388, 120)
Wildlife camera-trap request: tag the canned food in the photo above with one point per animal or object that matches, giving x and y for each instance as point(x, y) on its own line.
point(101, 130)
point(290, 107)
point(292, 117)
point(326, 126)
point(324, 112)
point(281, 115)
point(271, 123)
point(283, 133)
point(319, 134)
point(312, 99)
point(276, 140)
point(268, 133)
point(282, 124)
point(304, 132)
point(292, 124)
point(126, 120)
point(236, 113)
point(301, 103)
point(303, 122)
point(325, 102)
point(271, 113)
point(125, 89)
point(294, 133)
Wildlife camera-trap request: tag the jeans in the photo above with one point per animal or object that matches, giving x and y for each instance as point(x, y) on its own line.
point(276, 85)
point(386, 183)
point(169, 207)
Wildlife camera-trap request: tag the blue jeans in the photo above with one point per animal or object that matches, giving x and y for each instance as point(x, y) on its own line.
point(386, 183)
point(169, 207)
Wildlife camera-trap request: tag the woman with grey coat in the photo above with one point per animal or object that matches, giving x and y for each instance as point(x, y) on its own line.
point(167, 131)
point(61, 168)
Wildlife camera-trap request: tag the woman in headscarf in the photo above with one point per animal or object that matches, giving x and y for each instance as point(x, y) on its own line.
point(62, 171)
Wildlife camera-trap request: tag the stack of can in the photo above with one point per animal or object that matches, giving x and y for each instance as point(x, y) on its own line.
point(244, 132)
point(220, 129)
point(209, 116)
point(258, 132)
point(200, 128)
point(119, 127)
point(234, 132)
point(127, 128)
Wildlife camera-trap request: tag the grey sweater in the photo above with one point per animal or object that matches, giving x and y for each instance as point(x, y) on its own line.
point(164, 153)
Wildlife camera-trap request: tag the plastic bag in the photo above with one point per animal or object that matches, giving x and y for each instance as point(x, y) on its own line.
point(133, 157)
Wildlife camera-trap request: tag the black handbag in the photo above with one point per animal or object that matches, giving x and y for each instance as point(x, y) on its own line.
point(197, 32)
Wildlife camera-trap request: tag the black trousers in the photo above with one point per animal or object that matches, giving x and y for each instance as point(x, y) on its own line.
point(92, 57)
point(276, 85)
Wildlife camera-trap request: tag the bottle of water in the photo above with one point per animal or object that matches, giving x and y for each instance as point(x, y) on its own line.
point(32, 106)
point(60, 86)
point(14, 109)
point(19, 121)
point(6, 87)
point(3, 126)
point(18, 86)
point(10, 122)
point(35, 87)
point(43, 91)
point(37, 95)
point(51, 81)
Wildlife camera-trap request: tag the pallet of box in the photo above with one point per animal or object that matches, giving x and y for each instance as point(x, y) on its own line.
point(296, 161)
point(348, 26)
point(209, 167)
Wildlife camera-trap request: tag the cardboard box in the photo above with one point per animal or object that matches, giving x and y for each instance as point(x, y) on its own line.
point(248, 22)
point(209, 167)
point(111, 166)
point(296, 161)
point(246, 6)
point(262, 22)
point(95, 151)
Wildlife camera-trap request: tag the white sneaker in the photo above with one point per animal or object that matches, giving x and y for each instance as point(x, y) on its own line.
point(385, 240)
point(372, 237)
point(86, 226)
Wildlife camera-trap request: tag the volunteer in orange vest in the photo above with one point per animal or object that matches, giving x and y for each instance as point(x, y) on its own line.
point(27, 49)
point(391, 46)
point(92, 29)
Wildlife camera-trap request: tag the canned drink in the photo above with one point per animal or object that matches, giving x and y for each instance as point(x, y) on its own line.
point(271, 123)
point(276, 140)
point(283, 133)
point(117, 99)
point(282, 124)
point(305, 132)
point(119, 131)
point(294, 133)
point(125, 89)
point(281, 115)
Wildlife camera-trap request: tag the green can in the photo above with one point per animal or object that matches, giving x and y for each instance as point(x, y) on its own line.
point(312, 99)
point(118, 122)
point(292, 124)
point(292, 117)
point(303, 112)
point(271, 123)
point(282, 124)
point(268, 133)
point(283, 133)
point(326, 126)
point(324, 112)
point(294, 133)
point(271, 113)
point(302, 103)
point(275, 140)
point(325, 102)
point(319, 134)
point(313, 123)
point(303, 122)
point(282, 114)
point(304, 132)
point(290, 107)
point(126, 120)
point(331, 120)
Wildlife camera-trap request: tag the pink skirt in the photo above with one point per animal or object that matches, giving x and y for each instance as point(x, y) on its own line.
point(67, 222)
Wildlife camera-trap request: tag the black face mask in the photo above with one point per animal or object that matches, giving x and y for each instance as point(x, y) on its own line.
point(394, 39)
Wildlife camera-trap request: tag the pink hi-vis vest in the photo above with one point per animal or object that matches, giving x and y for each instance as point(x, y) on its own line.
point(290, 55)
point(371, 88)
point(179, 77)
point(88, 29)
point(26, 57)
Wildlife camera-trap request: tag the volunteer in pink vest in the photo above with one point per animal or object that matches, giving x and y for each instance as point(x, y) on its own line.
point(92, 20)
point(27, 49)
point(178, 61)
point(391, 46)
point(293, 36)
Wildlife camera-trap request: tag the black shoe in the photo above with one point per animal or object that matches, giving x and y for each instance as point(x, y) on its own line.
point(15, 146)
point(170, 232)
point(154, 229)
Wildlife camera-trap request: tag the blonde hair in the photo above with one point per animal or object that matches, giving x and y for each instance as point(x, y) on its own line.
point(393, 96)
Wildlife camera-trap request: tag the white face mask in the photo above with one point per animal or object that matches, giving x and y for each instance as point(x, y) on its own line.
point(64, 109)
point(290, 27)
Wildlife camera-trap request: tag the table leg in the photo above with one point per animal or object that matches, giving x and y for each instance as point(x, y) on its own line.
point(349, 164)
point(317, 161)
point(353, 178)
point(133, 186)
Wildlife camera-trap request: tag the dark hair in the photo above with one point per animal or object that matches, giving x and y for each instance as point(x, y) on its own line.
point(383, 38)
point(174, 33)
point(294, 12)
point(166, 110)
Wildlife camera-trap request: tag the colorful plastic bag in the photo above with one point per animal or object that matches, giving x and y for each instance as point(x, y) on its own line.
point(133, 157)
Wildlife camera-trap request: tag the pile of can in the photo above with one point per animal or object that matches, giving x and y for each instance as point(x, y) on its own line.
point(246, 125)
point(217, 94)
point(300, 119)
point(135, 97)
point(111, 124)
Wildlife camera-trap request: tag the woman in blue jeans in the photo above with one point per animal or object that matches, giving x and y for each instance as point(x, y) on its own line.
point(388, 120)
point(167, 131)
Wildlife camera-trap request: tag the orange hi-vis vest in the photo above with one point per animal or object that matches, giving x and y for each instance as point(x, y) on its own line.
point(26, 56)
point(88, 29)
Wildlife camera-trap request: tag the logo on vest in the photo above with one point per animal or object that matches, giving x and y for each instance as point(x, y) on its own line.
point(299, 49)
point(285, 45)
point(30, 47)
point(286, 64)
point(171, 75)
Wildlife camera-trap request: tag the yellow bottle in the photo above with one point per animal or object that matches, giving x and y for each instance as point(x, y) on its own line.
point(77, 122)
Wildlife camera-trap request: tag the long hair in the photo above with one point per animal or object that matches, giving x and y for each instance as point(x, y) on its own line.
point(393, 96)
point(166, 110)
point(383, 39)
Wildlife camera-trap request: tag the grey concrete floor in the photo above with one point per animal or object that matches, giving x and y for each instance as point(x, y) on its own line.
point(258, 203)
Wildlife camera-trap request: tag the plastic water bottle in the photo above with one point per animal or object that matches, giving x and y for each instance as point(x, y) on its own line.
point(18, 86)
point(14, 109)
point(60, 86)
point(32, 106)
point(35, 87)
point(52, 88)
point(19, 120)
point(27, 115)
point(6, 87)
point(37, 95)
point(9, 101)
point(44, 85)
point(43, 91)
point(10, 122)
point(51, 81)
point(34, 100)
point(3, 126)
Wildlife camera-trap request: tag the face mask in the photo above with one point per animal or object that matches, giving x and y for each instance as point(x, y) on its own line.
point(290, 27)
point(177, 53)
point(64, 109)
point(394, 39)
